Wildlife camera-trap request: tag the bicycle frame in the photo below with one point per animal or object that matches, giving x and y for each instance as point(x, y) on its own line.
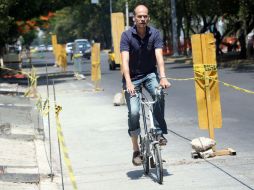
point(150, 113)
point(149, 144)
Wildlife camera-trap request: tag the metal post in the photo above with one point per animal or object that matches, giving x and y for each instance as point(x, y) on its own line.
point(110, 6)
point(174, 28)
point(110, 9)
point(127, 15)
point(49, 128)
point(59, 148)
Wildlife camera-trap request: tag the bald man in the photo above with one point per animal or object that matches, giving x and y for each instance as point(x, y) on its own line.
point(141, 51)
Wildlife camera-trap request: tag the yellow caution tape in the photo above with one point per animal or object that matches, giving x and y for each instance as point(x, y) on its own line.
point(43, 107)
point(204, 67)
point(32, 78)
point(236, 87)
point(181, 79)
point(33, 84)
point(64, 148)
point(226, 84)
point(201, 68)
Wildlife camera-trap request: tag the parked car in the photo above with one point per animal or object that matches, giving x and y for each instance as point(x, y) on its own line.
point(42, 48)
point(69, 48)
point(49, 48)
point(82, 46)
point(111, 60)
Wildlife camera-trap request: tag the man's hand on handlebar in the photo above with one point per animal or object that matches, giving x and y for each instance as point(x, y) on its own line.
point(130, 88)
point(164, 83)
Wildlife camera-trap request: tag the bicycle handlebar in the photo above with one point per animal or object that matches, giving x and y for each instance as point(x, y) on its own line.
point(158, 92)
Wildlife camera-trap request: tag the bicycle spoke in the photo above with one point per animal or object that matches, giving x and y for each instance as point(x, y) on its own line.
point(158, 163)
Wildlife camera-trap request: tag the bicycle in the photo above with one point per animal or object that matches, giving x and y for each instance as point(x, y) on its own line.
point(150, 148)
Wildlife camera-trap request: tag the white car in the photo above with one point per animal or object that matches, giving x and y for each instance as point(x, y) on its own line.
point(83, 47)
point(49, 48)
point(42, 48)
point(68, 48)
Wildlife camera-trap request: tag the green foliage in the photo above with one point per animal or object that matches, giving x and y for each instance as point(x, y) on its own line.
point(84, 20)
point(29, 37)
point(159, 12)
point(17, 10)
point(81, 19)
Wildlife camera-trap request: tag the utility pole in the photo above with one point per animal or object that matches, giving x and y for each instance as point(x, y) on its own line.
point(174, 28)
point(110, 6)
point(127, 15)
point(110, 9)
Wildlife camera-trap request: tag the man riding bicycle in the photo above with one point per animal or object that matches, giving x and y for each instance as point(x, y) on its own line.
point(141, 48)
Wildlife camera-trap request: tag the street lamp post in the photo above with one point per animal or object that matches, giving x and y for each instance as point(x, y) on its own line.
point(127, 15)
point(110, 9)
point(110, 6)
point(174, 28)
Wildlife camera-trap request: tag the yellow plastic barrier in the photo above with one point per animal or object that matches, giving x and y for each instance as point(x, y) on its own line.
point(96, 62)
point(54, 43)
point(207, 91)
point(61, 56)
point(117, 21)
point(96, 67)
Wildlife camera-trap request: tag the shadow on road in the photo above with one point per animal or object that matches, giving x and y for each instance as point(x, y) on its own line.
point(181, 66)
point(137, 174)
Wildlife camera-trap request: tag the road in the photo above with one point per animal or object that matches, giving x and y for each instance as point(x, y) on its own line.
point(100, 150)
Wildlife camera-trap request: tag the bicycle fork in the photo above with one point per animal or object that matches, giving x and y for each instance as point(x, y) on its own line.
point(152, 155)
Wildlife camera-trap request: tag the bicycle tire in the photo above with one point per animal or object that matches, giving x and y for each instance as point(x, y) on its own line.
point(145, 155)
point(158, 163)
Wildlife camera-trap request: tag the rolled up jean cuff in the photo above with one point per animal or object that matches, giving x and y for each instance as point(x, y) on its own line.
point(134, 133)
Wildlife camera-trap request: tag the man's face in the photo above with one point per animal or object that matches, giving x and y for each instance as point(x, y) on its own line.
point(141, 17)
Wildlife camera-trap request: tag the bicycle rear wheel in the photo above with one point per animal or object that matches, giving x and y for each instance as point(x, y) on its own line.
point(144, 153)
point(158, 163)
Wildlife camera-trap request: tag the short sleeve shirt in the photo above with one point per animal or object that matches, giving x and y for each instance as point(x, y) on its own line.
point(142, 58)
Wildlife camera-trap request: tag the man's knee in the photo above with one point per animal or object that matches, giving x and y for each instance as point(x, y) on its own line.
point(134, 117)
point(134, 133)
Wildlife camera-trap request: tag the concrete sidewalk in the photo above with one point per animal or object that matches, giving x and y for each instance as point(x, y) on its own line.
point(23, 159)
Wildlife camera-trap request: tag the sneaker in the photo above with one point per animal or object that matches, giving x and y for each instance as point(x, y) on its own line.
point(162, 140)
point(136, 159)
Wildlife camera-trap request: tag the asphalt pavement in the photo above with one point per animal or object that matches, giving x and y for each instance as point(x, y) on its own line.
point(99, 149)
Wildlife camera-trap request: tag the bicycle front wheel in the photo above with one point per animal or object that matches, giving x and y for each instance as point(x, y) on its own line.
point(158, 163)
point(144, 150)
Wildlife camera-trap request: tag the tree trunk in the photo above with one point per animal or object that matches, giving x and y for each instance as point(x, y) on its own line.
point(242, 41)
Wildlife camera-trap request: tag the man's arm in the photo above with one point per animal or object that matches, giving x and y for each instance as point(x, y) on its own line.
point(160, 62)
point(126, 72)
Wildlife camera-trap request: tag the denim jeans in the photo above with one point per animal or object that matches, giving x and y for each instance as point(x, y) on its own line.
point(149, 82)
point(78, 65)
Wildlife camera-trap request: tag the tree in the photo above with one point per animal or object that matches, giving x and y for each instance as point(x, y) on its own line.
point(159, 11)
point(84, 20)
point(12, 11)
point(200, 16)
